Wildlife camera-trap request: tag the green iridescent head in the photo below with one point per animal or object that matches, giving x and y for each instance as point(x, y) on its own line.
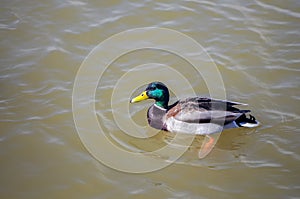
point(157, 91)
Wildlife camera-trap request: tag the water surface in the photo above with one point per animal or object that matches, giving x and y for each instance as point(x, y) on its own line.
point(255, 45)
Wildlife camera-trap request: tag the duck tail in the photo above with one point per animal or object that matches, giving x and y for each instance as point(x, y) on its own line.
point(249, 122)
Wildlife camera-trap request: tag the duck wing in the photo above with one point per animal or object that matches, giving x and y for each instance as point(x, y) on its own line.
point(205, 110)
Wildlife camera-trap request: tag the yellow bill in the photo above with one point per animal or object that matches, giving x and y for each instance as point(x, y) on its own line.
point(141, 97)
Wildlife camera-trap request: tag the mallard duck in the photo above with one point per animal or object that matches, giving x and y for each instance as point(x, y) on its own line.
point(195, 115)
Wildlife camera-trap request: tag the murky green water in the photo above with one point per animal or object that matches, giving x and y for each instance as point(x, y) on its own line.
point(255, 45)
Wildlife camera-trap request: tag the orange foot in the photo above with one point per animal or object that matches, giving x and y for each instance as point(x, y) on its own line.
point(207, 145)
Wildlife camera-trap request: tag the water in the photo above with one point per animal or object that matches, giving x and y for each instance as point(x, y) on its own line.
point(255, 45)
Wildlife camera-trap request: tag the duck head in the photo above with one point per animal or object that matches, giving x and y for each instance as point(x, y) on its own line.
point(157, 91)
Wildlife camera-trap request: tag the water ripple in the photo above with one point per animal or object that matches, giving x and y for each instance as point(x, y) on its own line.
point(9, 20)
point(278, 9)
point(259, 163)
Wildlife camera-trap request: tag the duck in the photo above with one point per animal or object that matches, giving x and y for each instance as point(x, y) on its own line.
point(194, 115)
